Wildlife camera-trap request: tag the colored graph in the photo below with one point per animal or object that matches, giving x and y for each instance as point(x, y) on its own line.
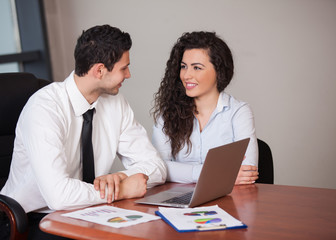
point(128, 218)
point(116, 220)
point(208, 220)
point(133, 217)
point(201, 213)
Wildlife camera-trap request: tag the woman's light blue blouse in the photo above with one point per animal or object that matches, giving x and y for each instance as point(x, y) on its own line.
point(232, 120)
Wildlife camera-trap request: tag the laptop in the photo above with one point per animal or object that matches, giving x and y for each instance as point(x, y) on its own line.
point(217, 178)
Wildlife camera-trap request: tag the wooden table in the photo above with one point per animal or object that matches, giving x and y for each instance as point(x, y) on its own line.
point(270, 212)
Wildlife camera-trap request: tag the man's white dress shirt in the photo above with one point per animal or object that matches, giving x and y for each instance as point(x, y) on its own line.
point(232, 120)
point(46, 170)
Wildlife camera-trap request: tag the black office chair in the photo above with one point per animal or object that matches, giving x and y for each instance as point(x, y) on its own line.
point(265, 165)
point(15, 90)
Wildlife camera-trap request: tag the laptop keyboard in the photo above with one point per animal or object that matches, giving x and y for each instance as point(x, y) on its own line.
point(183, 199)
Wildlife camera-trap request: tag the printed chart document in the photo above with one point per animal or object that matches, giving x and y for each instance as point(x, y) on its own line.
point(111, 216)
point(199, 219)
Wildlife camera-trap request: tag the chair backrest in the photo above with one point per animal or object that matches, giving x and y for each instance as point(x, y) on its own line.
point(15, 90)
point(265, 165)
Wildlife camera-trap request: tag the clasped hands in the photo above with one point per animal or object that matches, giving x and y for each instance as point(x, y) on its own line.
point(121, 186)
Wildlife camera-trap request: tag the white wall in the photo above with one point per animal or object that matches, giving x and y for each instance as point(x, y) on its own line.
point(285, 58)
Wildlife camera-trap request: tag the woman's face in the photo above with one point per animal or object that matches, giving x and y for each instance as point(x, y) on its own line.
point(197, 74)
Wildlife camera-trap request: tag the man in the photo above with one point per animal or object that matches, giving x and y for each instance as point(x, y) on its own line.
point(46, 170)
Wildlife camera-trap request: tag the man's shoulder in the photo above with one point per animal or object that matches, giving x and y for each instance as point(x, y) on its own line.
point(114, 105)
point(48, 97)
point(50, 91)
point(118, 99)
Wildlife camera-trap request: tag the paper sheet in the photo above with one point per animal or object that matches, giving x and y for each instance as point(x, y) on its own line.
point(112, 216)
point(199, 218)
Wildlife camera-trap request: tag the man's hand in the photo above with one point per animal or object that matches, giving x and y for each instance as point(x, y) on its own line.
point(133, 186)
point(113, 182)
point(248, 174)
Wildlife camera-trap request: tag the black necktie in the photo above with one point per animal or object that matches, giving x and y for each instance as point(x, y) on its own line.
point(87, 149)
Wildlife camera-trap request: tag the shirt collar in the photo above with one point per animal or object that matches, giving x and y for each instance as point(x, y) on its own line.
point(223, 101)
point(79, 104)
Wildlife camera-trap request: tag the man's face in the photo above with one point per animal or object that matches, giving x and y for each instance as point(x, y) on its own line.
point(112, 80)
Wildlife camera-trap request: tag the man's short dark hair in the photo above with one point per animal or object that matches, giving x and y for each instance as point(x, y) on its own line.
point(100, 44)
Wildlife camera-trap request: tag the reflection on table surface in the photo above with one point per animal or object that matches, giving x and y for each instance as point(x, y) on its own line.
point(269, 211)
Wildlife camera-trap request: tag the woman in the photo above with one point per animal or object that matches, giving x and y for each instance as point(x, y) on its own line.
point(192, 112)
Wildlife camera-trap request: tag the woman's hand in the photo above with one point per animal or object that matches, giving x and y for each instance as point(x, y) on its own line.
point(248, 174)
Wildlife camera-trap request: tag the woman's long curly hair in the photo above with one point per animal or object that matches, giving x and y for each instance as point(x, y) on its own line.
point(171, 101)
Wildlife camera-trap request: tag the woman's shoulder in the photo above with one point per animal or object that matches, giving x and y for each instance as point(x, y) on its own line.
point(231, 101)
point(158, 123)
